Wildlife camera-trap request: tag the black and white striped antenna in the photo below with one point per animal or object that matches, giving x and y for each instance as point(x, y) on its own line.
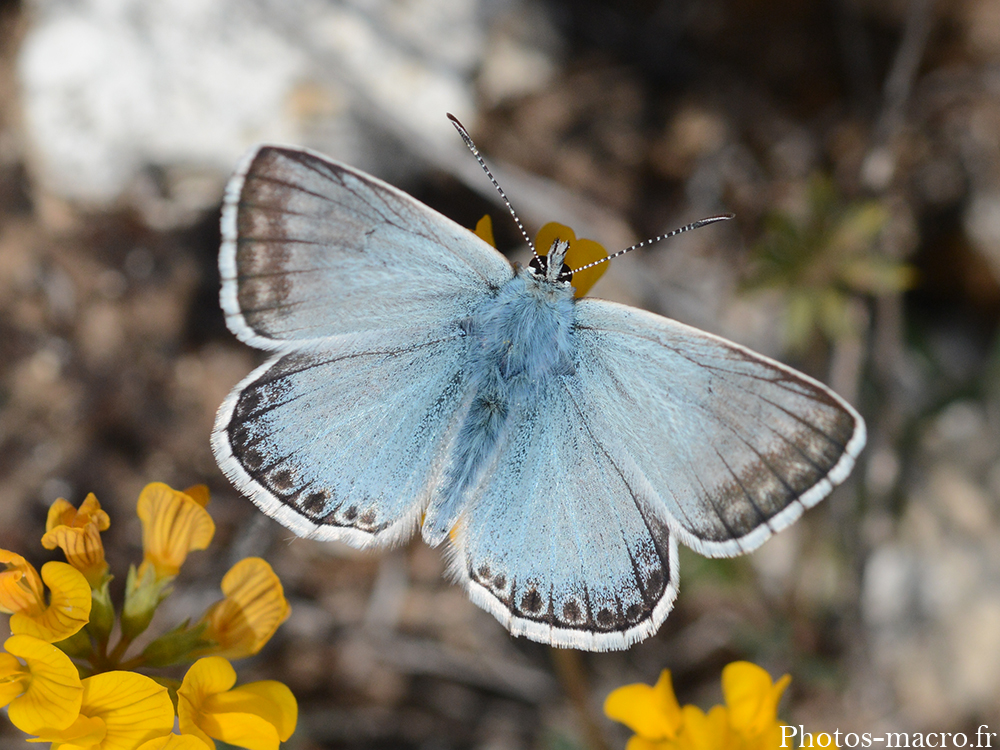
point(475, 152)
point(673, 233)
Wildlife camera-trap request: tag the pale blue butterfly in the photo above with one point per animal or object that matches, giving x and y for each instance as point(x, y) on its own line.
point(562, 446)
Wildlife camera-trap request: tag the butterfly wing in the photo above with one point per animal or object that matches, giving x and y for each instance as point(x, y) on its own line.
point(556, 543)
point(313, 248)
point(346, 441)
point(726, 445)
point(662, 433)
point(362, 292)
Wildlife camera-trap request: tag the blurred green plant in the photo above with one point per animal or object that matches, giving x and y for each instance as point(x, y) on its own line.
point(824, 260)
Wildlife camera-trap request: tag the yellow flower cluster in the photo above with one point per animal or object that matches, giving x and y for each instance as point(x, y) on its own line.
point(62, 683)
point(748, 721)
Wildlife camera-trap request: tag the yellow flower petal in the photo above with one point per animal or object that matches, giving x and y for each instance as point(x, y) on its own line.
point(13, 679)
point(52, 692)
point(268, 699)
point(751, 698)
point(120, 711)
point(62, 513)
point(581, 252)
point(206, 677)
point(59, 510)
point(199, 493)
point(705, 731)
point(78, 534)
point(83, 734)
point(21, 589)
point(67, 612)
point(650, 712)
point(641, 743)
point(175, 742)
point(173, 524)
point(254, 607)
point(242, 730)
point(484, 229)
point(257, 716)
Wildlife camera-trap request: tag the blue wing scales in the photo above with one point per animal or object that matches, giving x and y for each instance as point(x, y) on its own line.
point(726, 445)
point(347, 440)
point(554, 541)
point(313, 248)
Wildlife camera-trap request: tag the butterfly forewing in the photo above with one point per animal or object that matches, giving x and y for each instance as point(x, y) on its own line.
point(312, 248)
point(729, 446)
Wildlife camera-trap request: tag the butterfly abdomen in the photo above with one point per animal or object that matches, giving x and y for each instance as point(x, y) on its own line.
point(517, 340)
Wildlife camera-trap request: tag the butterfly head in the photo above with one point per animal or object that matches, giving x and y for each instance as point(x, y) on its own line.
point(552, 266)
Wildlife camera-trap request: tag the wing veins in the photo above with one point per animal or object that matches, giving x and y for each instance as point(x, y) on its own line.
point(354, 355)
point(280, 240)
point(753, 503)
point(635, 501)
point(736, 384)
point(243, 203)
point(795, 495)
point(398, 223)
point(284, 183)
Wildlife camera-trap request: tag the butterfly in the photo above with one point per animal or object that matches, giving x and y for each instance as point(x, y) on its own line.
point(561, 447)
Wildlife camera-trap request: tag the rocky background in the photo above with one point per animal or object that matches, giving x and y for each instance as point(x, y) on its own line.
point(858, 143)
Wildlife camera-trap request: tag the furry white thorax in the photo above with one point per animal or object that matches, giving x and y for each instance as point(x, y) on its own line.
point(518, 339)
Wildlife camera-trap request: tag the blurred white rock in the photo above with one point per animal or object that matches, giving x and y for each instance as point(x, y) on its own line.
point(934, 589)
point(154, 102)
point(111, 87)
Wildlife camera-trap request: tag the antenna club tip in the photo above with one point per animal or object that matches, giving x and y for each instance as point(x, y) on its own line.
point(457, 123)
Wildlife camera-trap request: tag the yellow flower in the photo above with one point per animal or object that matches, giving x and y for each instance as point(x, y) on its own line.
point(23, 597)
point(484, 230)
point(78, 533)
point(173, 524)
point(254, 607)
point(581, 252)
point(752, 703)
point(257, 716)
point(651, 712)
point(748, 721)
point(175, 742)
point(703, 731)
point(119, 711)
point(43, 692)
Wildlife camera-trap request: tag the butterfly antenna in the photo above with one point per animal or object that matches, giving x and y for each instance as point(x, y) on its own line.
point(475, 152)
point(673, 233)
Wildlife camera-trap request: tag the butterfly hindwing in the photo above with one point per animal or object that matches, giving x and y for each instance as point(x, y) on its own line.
point(728, 445)
point(313, 248)
point(554, 542)
point(346, 441)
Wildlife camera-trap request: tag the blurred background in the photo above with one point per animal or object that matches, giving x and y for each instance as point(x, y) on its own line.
point(858, 144)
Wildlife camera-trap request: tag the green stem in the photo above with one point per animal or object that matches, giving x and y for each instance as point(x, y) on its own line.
point(570, 671)
point(133, 663)
point(119, 651)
